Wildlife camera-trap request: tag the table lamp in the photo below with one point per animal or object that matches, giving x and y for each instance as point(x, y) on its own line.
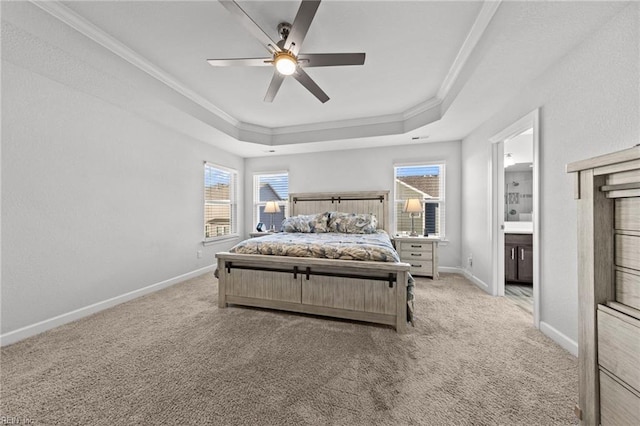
point(271, 208)
point(413, 206)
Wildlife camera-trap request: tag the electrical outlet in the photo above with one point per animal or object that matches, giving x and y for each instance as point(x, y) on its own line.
point(470, 260)
point(199, 254)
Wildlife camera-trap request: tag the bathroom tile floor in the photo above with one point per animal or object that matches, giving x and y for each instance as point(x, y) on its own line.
point(521, 295)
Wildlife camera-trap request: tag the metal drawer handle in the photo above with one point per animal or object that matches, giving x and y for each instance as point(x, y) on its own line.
point(416, 246)
point(416, 266)
point(513, 253)
point(416, 254)
point(521, 254)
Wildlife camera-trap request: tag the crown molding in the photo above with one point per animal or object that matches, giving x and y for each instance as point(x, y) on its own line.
point(338, 124)
point(397, 123)
point(422, 108)
point(481, 23)
point(390, 124)
point(326, 130)
point(80, 24)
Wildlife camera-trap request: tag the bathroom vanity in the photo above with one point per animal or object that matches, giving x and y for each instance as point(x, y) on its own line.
point(518, 252)
point(518, 258)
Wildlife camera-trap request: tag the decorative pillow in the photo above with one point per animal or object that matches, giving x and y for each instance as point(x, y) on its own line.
point(352, 223)
point(306, 223)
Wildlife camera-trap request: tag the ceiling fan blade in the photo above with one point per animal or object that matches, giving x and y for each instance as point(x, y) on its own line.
point(330, 59)
point(276, 82)
point(249, 24)
point(310, 85)
point(243, 62)
point(301, 25)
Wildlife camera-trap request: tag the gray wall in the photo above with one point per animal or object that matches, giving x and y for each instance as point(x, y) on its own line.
point(589, 105)
point(367, 170)
point(101, 195)
point(97, 201)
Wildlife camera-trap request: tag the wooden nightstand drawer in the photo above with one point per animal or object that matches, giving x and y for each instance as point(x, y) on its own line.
point(409, 256)
point(415, 247)
point(420, 267)
point(258, 234)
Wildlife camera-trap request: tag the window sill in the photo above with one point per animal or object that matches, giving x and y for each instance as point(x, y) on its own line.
point(216, 240)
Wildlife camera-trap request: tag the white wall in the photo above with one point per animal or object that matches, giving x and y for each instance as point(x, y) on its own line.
point(589, 106)
point(366, 169)
point(97, 201)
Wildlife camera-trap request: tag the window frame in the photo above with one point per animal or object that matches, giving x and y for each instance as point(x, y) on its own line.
point(440, 201)
point(232, 202)
point(284, 204)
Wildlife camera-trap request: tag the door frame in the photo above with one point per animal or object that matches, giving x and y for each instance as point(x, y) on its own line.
point(531, 120)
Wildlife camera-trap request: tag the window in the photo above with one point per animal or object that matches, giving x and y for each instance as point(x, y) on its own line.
point(220, 201)
point(425, 182)
point(270, 187)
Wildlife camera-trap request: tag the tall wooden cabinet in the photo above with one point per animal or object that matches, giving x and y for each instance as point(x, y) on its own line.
point(608, 192)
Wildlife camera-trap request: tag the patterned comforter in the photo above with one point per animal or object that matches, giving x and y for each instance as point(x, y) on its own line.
point(331, 245)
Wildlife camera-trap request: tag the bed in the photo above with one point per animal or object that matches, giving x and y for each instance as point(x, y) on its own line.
point(372, 290)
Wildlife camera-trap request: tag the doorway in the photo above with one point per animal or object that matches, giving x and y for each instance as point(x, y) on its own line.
point(515, 214)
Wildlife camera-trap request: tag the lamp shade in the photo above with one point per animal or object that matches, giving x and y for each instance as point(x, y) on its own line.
point(413, 205)
point(271, 207)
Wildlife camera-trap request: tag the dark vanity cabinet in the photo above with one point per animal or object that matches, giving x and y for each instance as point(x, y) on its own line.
point(518, 258)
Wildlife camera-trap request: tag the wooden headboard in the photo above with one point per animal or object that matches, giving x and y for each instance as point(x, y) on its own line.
point(374, 202)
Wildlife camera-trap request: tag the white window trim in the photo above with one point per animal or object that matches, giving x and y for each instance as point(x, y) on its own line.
point(233, 201)
point(442, 200)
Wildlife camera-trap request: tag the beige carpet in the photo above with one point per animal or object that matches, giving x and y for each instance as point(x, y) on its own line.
point(173, 357)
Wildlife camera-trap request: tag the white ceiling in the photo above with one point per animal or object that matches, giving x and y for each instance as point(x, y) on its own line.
point(436, 69)
point(401, 42)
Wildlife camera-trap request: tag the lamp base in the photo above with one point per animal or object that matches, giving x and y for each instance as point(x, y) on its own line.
point(413, 232)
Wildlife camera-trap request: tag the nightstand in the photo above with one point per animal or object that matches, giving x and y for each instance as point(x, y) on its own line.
point(420, 252)
point(256, 234)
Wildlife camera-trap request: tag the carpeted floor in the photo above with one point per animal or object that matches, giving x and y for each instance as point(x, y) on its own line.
point(173, 357)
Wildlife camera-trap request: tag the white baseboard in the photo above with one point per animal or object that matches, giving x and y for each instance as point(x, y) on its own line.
point(461, 271)
point(48, 324)
point(477, 281)
point(560, 338)
point(450, 270)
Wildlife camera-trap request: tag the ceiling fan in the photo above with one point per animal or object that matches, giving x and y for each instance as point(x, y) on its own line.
point(285, 54)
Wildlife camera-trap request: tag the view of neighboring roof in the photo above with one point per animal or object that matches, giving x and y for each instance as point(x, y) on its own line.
point(429, 185)
point(268, 193)
point(278, 183)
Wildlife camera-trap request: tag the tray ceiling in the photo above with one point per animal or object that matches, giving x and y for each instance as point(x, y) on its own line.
point(436, 69)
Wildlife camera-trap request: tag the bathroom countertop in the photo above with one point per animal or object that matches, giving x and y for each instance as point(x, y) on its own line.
point(518, 227)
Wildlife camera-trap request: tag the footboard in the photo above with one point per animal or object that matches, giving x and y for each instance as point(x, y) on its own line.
point(365, 291)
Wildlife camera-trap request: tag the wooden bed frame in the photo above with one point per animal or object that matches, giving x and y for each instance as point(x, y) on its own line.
point(358, 290)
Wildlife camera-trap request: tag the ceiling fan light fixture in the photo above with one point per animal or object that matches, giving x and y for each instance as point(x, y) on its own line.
point(285, 63)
